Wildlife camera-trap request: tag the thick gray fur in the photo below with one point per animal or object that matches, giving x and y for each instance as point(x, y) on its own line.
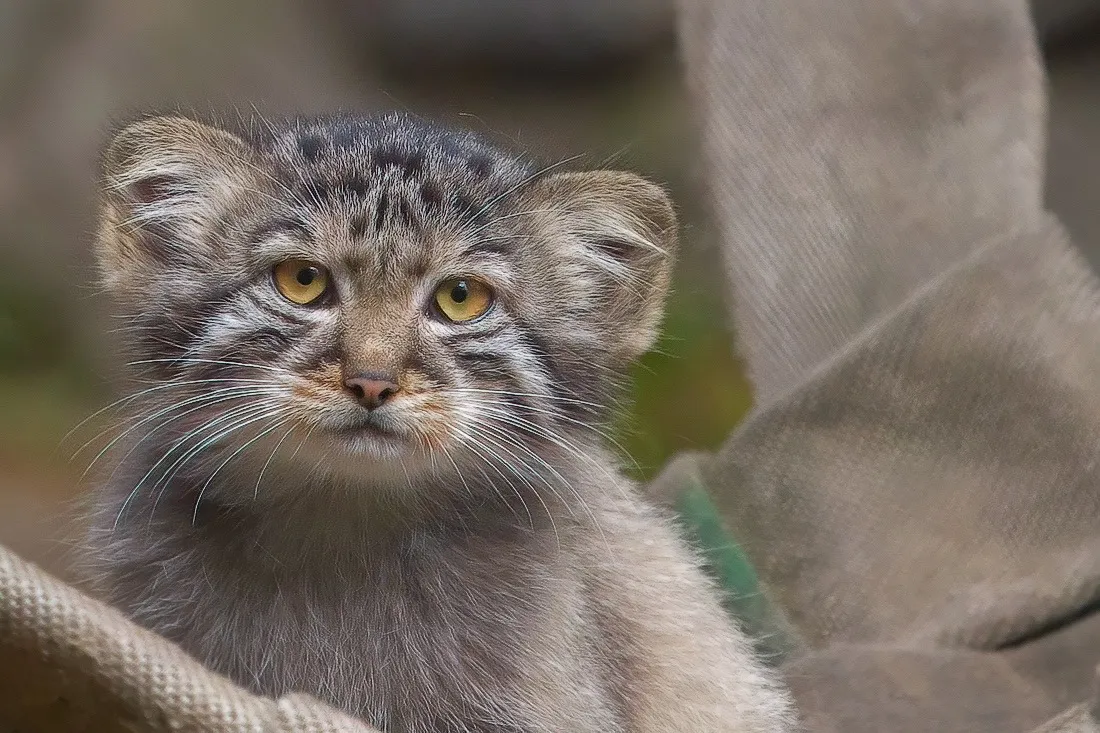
point(464, 558)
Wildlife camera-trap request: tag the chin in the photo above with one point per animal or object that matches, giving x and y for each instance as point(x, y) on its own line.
point(367, 443)
point(366, 456)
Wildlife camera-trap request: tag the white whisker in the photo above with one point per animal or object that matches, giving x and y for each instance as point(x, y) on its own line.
point(223, 464)
point(144, 392)
point(194, 360)
point(257, 414)
point(471, 444)
point(521, 475)
point(231, 414)
point(204, 402)
point(270, 458)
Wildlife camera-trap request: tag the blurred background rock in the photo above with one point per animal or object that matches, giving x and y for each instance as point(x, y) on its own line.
point(557, 77)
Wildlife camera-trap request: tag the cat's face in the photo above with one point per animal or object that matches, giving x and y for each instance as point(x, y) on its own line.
point(380, 290)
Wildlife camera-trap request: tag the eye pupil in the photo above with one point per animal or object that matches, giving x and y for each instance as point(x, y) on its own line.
point(307, 275)
point(460, 292)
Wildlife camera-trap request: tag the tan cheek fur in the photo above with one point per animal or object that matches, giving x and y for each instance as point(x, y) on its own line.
point(320, 386)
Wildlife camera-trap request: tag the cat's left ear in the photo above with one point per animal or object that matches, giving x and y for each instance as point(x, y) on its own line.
point(167, 180)
point(617, 231)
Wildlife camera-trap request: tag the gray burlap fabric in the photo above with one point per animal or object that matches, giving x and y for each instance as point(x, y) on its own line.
point(72, 664)
point(918, 487)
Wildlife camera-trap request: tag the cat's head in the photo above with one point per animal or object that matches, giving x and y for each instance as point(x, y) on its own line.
point(391, 289)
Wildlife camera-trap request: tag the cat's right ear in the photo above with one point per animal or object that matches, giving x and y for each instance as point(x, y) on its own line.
point(166, 180)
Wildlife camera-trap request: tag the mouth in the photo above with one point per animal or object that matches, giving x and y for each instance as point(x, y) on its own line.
point(370, 436)
point(368, 428)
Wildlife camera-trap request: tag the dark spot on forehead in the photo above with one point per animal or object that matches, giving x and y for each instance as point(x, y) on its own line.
point(390, 156)
point(387, 156)
point(404, 212)
point(480, 165)
point(390, 205)
point(381, 211)
point(344, 137)
point(353, 185)
point(310, 146)
point(465, 207)
point(414, 164)
point(425, 168)
point(432, 196)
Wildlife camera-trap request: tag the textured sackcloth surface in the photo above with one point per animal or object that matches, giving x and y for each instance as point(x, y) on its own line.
point(918, 488)
point(70, 663)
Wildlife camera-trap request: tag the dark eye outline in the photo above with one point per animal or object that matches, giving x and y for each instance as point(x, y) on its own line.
point(324, 298)
point(435, 310)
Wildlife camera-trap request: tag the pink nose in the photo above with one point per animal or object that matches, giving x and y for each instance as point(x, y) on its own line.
point(371, 390)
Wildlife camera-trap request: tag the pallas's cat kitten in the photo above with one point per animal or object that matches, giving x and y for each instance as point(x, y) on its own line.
point(372, 361)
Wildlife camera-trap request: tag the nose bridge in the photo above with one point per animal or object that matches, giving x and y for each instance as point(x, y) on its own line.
point(376, 338)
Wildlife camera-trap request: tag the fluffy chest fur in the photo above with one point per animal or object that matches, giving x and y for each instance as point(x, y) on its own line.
point(491, 626)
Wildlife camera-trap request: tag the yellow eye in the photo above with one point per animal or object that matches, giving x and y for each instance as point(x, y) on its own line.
point(301, 281)
point(463, 299)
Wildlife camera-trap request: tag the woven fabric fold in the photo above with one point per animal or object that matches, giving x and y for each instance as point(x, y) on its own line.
point(73, 664)
point(855, 149)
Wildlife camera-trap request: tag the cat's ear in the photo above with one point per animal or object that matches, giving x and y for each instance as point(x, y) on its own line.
point(166, 180)
point(617, 231)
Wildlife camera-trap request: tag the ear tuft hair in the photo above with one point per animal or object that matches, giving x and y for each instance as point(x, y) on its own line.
point(165, 180)
point(619, 230)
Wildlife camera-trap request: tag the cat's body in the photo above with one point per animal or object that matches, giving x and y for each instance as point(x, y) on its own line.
point(387, 489)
